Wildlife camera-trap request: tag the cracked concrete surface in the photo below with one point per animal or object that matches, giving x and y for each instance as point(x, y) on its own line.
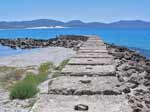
point(96, 103)
point(91, 61)
point(69, 85)
point(89, 80)
point(89, 70)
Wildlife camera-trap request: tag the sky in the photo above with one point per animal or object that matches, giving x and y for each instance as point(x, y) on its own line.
point(65, 10)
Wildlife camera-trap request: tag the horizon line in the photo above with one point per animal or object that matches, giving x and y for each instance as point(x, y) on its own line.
point(74, 20)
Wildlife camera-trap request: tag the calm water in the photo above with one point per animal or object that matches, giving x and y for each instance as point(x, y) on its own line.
point(138, 38)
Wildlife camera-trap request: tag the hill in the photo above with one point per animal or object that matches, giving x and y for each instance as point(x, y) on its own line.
point(73, 23)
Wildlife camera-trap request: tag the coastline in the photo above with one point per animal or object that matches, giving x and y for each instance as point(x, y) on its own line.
point(33, 52)
point(21, 45)
point(37, 57)
point(132, 70)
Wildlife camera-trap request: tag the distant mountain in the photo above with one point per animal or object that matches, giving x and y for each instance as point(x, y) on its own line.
point(131, 24)
point(73, 23)
point(28, 24)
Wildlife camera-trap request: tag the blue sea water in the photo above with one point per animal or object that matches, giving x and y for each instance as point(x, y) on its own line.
point(135, 38)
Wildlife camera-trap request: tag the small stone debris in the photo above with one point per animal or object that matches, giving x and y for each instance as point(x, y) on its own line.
point(81, 107)
point(85, 81)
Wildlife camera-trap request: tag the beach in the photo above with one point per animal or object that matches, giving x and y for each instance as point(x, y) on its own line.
point(28, 62)
point(37, 57)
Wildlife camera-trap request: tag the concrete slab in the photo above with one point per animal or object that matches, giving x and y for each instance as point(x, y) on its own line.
point(92, 55)
point(94, 40)
point(89, 70)
point(92, 51)
point(91, 61)
point(93, 37)
point(69, 85)
point(93, 44)
point(93, 48)
point(61, 103)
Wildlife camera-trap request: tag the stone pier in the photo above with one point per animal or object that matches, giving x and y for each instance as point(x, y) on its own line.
point(88, 83)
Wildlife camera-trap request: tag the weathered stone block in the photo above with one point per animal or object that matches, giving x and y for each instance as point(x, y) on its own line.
point(69, 85)
point(93, 48)
point(92, 55)
point(91, 61)
point(61, 103)
point(89, 70)
point(93, 51)
point(93, 45)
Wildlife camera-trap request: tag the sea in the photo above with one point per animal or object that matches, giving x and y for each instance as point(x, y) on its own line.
point(136, 39)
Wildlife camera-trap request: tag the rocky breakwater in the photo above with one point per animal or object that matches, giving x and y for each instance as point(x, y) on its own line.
point(133, 71)
point(67, 41)
point(87, 83)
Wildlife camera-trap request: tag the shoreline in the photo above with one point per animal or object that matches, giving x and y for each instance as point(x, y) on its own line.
point(7, 51)
point(53, 50)
point(37, 57)
point(67, 41)
point(132, 71)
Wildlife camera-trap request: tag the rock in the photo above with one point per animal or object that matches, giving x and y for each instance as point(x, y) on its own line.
point(81, 107)
point(85, 81)
point(135, 78)
point(68, 41)
point(133, 71)
point(120, 78)
point(147, 62)
point(147, 76)
point(126, 90)
point(130, 72)
point(124, 66)
point(147, 69)
point(147, 101)
point(136, 109)
point(119, 55)
point(147, 83)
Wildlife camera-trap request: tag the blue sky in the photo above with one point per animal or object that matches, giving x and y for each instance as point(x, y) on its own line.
point(64, 10)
